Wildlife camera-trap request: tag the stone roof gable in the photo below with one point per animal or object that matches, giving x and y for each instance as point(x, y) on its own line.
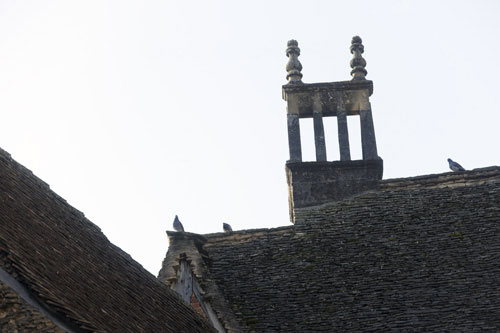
point(420, 253)
point(63, 262)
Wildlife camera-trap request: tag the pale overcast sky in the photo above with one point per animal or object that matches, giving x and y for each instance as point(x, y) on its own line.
point(135, 111)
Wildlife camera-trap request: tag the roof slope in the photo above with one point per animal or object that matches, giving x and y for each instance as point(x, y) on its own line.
point(66, 263)
point(419, 254)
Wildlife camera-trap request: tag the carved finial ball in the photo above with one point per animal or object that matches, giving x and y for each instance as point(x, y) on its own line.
point(292, 47)
point(356, 44)
point(356, 39)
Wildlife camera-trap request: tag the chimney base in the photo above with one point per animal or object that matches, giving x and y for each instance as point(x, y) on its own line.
point(315, 183)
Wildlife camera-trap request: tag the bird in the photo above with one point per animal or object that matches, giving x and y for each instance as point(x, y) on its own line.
point(455, 166)
point(226, 227)
point(178, 225)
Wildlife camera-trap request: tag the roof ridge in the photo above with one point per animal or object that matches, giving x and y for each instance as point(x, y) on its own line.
point(245, 234)
point(476, 177)
point(447, 178)
point(490, 169)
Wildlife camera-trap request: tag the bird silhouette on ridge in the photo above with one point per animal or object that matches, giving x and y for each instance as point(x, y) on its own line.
point(178, 225)
point(226, 227)
point(454, 166)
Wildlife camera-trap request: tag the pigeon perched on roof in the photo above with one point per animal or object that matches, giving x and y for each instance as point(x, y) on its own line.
point(178, 225)
point(455, 166)
point(226, 227)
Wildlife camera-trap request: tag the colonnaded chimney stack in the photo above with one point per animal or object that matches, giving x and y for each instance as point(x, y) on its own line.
point(322, 181)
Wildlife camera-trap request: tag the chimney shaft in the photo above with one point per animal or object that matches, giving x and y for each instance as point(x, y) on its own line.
point(322, 181)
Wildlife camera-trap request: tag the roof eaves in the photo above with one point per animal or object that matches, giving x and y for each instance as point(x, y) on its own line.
point(65, 323)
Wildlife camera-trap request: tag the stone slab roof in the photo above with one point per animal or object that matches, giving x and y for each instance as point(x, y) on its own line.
point(18, 316)
point(66, 265)
point(419, 254)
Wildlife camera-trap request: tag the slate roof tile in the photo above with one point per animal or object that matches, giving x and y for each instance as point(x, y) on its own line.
point(419, 254)
point(67, 263)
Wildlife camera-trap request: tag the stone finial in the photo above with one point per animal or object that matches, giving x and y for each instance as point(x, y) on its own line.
point(358, 63)
point(293, 67)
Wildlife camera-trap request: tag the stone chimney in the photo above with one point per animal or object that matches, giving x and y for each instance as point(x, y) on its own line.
point(321, 181)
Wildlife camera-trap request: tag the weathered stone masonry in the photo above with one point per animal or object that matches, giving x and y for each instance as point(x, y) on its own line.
point(313, 183)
